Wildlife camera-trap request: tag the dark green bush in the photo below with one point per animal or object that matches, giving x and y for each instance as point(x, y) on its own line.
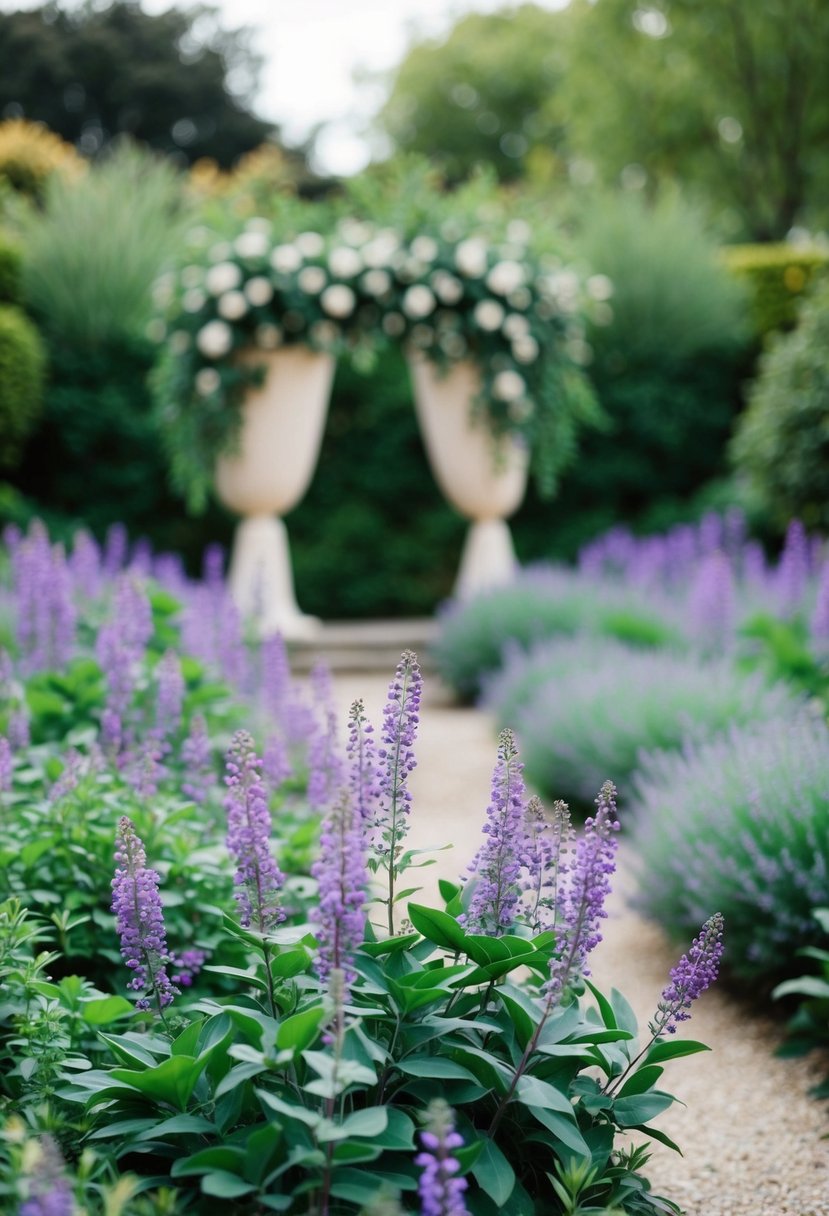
point(11, 271)
point(777, 277)
point(21, 381)
point(781, 448)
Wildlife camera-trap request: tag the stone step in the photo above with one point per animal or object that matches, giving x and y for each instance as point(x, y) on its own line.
point(376, 646)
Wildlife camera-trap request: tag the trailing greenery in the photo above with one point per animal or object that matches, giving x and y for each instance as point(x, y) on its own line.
point(778, 277)
point(22, 366)
point(11, 270)
point(781, 446)
point(809, 1026)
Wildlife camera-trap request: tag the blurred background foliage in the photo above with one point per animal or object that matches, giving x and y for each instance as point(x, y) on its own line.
point(679, 148)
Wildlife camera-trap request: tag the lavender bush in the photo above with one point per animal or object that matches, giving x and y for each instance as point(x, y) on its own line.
point(739, 823)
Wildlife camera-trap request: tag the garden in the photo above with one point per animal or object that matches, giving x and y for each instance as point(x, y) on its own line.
point(286, 930)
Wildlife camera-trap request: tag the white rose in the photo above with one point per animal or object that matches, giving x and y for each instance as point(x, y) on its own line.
point(286, 259)
point(223, 277)
point(425, 248)
point(193, 300)
point(214, 339)
point(355, 232)
point(344, 262)
point(393, 324)
point(518, 231)
point(376, 282)
point(508, 386)
point(268, 336)
point(515, 326)
point(207, 381)
point(311, 280)
point(418, 301)
point(505, 277)
point(310, 244)
point(446, 287)
point(192, 276)
point(489, 315)
point(525, 350)
point(259, 291)
point(381, 249)
point(338, 301)
point(471, 257)
point(232, 305)
point(599, 287)
point(220, 252)
point(520, 298)
point(179, 342)
point(251, 245)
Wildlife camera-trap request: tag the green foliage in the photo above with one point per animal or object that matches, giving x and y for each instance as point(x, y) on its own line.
point(93, 73)
point(21, 381)
point(809, 1026)
point(90, 260)
point(584, 707)
point(11, 270)
point(777, 277)
point(781, 447)
point(740, 821)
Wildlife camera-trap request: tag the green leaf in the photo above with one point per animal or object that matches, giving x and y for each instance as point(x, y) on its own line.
point(435, 1067)
point(656, 1134)
point(301, 1029)
point(391, 945)
point(534, 1092)
point(807, 985)
point(180, 1125)
point(290, 963)
point(438, 927)
point(171, 1081)
point(102, 1011)
point(641, 1081)
point(631, 1112)
point(367, 1123)
point(292, 1110)
point(672, 1050)
point(222, 1185)
point(130, 1052)
point(563, 1128)
point(220, 1157)
point(493, 1173)
point(248, 978)
point(605, 1007)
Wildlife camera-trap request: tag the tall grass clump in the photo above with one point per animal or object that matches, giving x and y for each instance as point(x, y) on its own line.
point(740, 820)
point(586, 706)
point(543, 602)
point(95, 248)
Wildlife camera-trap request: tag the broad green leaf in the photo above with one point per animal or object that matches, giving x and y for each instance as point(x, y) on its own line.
point(656, 1134)
point(171, 1081)
point(435, 1066)
point(534, 1092)
point(493, 1173)
point(220, 1157)
point(290, 963)
point(634, 1111)
point(605, 1007)
point(292, 1110)
point(807, 985)
point(367, 1123)
point(180, 1125)
point(641, 1081)
point(438, 927)
point(223, 1185)
point(673, 1049)
point(391, 945)
point(238, 1075)
point(301, 1029)
point(102, 1011)
point(563, 1128)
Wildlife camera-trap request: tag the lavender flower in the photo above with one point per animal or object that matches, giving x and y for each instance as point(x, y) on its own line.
point(19, 734)
point(583, 904)
point(85, 565)
point(187, 964)
point(695, 971)
point(6, 765)
point(50, 1191)
point(439, 1187)
point(276, 675)
point(362, 775)
point(275, 763)
point(396, 756)
point(144, 768)
point(499, 860)
point(258, 878)
point(140, 920)
point(547, 845)
point(169, 696)
point(68, 779)
point(120, 649)
point(793, 570)
point(198, 761)
point(46, 615)
point(712, 608)
point(115, 549)
point(340, 871)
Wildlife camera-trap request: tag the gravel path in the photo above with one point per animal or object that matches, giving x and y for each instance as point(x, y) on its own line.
point(751, 1137)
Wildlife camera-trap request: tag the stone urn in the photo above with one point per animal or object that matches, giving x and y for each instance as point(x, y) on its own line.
point(266, 476)
point(483, 477)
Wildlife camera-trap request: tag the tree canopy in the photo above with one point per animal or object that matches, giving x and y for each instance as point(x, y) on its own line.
point(174, 80)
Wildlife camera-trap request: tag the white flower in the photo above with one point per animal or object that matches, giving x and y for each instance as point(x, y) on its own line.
point(525, 350)
point(267, 336)
point(162, 292)
point(446, 287)
point(179, 342)
point(192, 276)
point(508, 386)
point(599, 287)
point(505, 277)
point(324, 333)
point(471, 257)
point(344, 262)
point(251, 244)
point(418, 301)
point(425, 248)
point(220, 252)
point(311, 280)
point(376, 282)
point(489, 315)
point(156, 330)
point(338, 301)
point(393, 324)
point(381, 249)
point(515, 326)
point(310, 244)
point(520, 298)
point(193, 300)
point(258, 224)
point(214, 339)
point(222, 277)
point(259, 290)
point(286, 259)
point(518, 231)
point(232, 305)
point(354, 232)
point(194, 237)
point(207, 381)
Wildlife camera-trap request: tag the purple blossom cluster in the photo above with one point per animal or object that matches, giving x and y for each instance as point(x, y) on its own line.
point(548, 842)
point(325, 766)
point(694, 973)
point(6, 765)
point(340, 871)
point(498, 863)
point(440, 1186)
point(396, 758)
point(50, 1191)
point(362, 767)
point(197, 758)
point(43, 600)
point(136, 904)
point(258, 879)
point(186, 965)
point(120, 649)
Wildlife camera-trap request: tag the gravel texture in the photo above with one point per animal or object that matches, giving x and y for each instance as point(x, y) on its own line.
point(752, 1138)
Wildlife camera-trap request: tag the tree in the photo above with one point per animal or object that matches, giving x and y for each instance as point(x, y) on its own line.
point(174, 80)
point(482, 95)
point(730, 97)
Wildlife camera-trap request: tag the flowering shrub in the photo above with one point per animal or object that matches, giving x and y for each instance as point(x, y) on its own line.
point(450, 295)
point(582, 707)
point(740, 820)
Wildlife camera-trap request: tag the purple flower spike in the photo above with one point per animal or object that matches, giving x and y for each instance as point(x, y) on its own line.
point(396, 756)
point(695, 971)
point(583, 903)
point(793, 570)
point(50, 1191)
point(6, 765)
point(362, 777)
point(45, 610)
point(140, 921)
point(499, 860)
point(198, 761)
point(120, 649)
point(258, 878)
point(187, 964)
point(712, 606)
point(547, 845)
point(440, 1189)
point(341, 873)
point(169, 695)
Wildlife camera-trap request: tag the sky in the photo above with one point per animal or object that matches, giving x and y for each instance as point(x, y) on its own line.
point(312, 50)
